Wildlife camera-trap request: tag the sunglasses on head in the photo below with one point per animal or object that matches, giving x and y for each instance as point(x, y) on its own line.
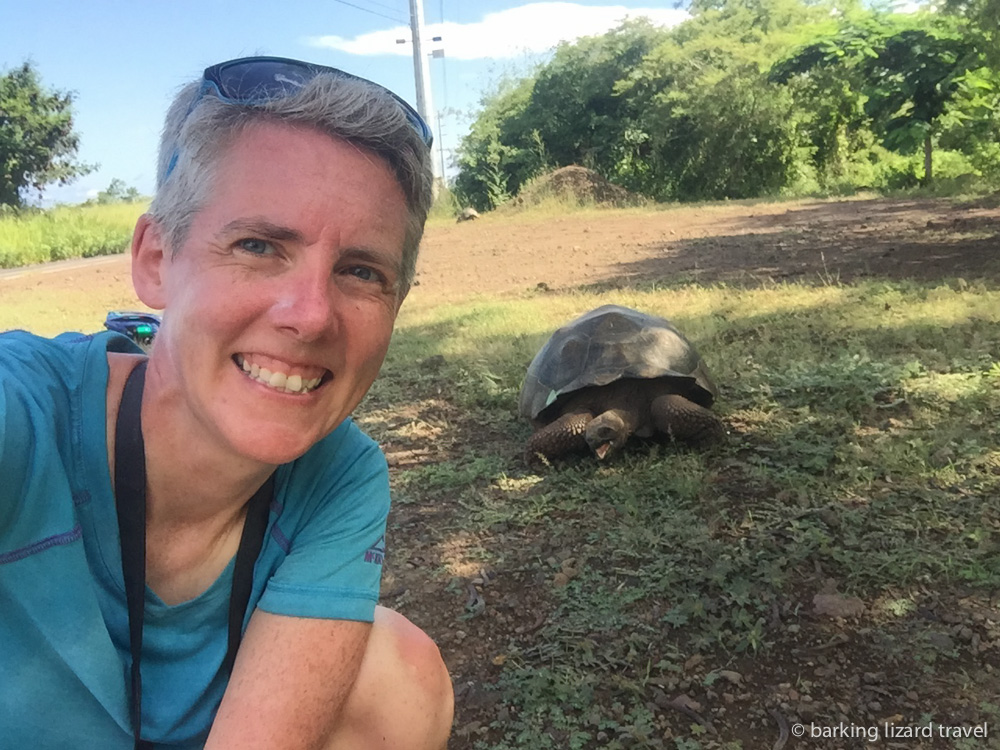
point(256, 80)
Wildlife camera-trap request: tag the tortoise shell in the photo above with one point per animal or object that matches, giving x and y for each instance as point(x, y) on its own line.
point(605, 345)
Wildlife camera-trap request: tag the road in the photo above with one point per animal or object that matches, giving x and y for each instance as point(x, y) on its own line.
point(60, 266)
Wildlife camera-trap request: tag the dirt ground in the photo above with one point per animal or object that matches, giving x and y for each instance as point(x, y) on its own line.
point(848, 240)
point(746, 244)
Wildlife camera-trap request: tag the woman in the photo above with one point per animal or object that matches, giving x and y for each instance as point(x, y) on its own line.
point(280, 243)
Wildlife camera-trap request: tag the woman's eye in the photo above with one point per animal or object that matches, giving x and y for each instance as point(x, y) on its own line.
point(256, 247)
point(365, 273)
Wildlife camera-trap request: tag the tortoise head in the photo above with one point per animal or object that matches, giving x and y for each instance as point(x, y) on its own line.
point(606, 434)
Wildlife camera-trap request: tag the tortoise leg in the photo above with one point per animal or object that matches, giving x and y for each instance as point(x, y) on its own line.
point(685, 420)
point(565, 435)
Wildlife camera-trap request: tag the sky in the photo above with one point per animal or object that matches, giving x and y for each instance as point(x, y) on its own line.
point(125, 59)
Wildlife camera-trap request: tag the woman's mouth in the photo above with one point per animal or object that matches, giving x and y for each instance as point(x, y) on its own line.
point(281, 376)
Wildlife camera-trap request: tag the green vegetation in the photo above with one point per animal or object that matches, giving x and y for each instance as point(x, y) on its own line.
point(864, 448)
point(66, 232)
point(37, 142)
point(750, 99)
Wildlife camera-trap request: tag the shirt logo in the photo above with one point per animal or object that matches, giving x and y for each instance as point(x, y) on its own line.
point(376, 553)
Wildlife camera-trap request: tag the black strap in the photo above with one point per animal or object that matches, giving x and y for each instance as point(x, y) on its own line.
point(130, 493)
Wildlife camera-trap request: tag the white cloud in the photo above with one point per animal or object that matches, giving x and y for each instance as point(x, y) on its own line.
point(509, 33)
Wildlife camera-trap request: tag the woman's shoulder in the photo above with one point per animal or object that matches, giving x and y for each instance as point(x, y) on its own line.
point(38, 360)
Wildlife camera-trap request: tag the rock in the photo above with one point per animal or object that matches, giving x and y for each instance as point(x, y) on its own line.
point(807, 710)
point(837, 605)
point(733, 678)
point(693, 662)
point(941, 641)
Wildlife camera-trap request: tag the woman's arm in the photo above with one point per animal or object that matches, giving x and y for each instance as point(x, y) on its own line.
point(290, 681)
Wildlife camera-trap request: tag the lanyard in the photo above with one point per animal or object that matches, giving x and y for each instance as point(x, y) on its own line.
point(130, 492)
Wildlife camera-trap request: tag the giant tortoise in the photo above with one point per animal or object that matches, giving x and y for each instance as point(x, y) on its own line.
point(612, 373)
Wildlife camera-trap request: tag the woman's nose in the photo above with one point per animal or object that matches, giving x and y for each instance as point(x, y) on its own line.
point(305, 304)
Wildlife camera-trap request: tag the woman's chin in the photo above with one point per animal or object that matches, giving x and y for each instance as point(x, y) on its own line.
point(279, 447)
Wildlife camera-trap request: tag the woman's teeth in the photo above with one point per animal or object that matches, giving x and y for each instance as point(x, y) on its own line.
point(278, 380)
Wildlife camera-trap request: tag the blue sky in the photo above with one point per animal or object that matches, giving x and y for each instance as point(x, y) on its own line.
point(126, 59)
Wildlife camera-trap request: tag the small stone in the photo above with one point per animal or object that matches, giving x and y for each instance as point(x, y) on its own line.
point(837, 605)
point(911, 695)
point(793, 695)
point(941, 641)
point(733, 678)
point(728, 698)
point(807, 710)
point(693, 662)
point(875, 706)
point(688, 702)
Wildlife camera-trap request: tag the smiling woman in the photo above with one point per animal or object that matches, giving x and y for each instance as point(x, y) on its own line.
point(245, 503)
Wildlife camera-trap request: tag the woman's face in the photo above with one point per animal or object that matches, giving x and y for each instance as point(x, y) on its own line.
point(280, 304)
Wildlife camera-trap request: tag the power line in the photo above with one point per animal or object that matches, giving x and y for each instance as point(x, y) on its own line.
point(373, 12)
point(383, 5)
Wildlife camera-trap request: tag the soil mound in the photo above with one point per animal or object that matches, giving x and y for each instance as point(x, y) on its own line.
point(577, 184)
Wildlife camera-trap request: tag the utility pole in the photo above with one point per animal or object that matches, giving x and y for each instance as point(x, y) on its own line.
point(422, 78)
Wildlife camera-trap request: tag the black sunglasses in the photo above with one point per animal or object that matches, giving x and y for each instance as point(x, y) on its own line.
point(255, 80)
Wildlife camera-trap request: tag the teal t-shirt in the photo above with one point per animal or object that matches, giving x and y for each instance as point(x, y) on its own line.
point(64, 648)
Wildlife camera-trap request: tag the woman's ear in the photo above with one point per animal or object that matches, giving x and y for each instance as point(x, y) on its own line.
point(149, 258)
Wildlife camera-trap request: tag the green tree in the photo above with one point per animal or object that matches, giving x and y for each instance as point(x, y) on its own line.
point(38, 145)
point(905, 73)
point(495, 158)
point(984, 30)
point(116, 192)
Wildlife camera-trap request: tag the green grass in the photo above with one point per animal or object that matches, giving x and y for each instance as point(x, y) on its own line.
point(66, 232)
point(865, 443)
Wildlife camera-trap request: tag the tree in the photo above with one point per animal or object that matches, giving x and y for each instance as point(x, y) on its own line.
point(906, 75)
point(116, 192)
point(37, 143)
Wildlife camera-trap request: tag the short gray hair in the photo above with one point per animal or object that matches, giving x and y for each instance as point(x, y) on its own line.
point(200, 128)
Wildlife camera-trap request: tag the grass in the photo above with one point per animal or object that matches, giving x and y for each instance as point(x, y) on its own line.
point(66, 232)
point(865, 444)
point(864, 447)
